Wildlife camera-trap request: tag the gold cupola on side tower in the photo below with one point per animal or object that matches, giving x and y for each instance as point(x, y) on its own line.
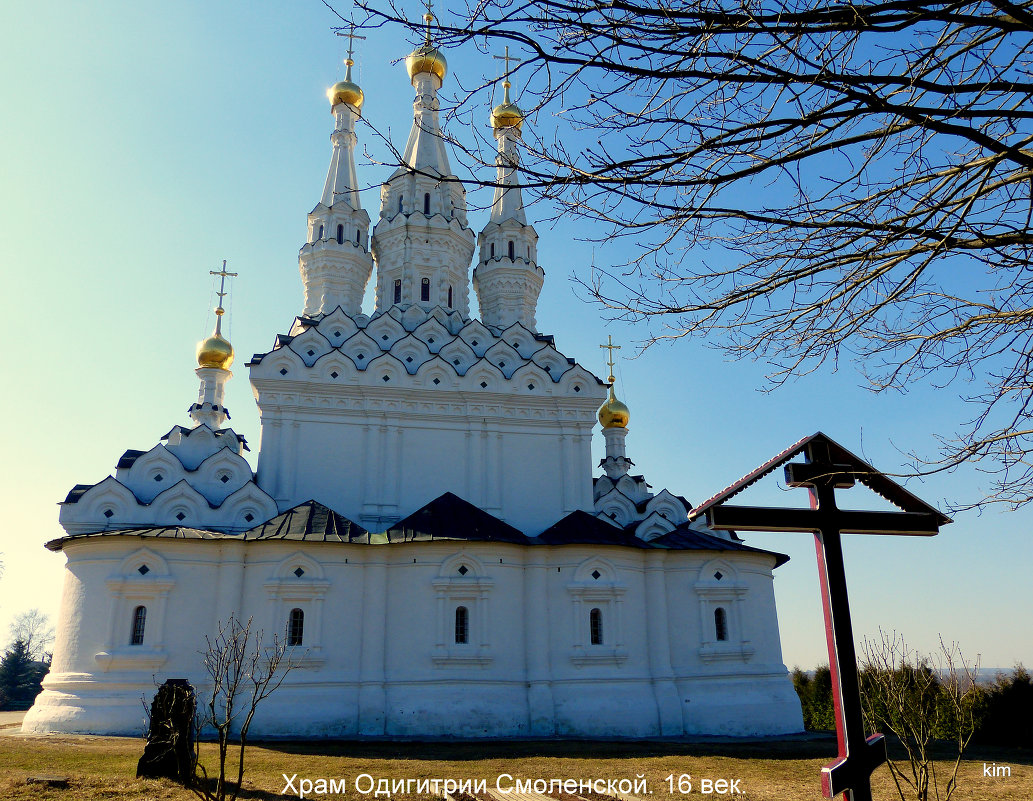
point(426, 57)
point(216, 350)
point(346, 91)
point(613, 413)
point(506, 114)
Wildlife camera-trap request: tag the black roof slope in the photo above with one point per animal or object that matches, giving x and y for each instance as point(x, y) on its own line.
point(581, 528)
point(684, 538)
point(310, 522)
point(449, 517)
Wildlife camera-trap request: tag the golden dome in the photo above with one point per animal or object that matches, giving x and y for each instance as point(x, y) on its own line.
point(506, 114)
point(345, 92)
point(426, 58)
point(216, 351)
point(613, 413)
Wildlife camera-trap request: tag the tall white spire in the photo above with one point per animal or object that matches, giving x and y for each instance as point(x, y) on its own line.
point(346, 100)
point(507, 278)
point(422, 244)
point(335, 262)
point(214, 357)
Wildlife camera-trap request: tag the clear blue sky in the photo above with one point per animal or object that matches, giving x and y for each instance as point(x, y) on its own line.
point(144, 143)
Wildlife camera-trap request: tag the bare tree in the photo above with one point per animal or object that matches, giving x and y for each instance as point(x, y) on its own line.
point(808, 181)
point(243, 671)
point(34, 629)
point(919, 699)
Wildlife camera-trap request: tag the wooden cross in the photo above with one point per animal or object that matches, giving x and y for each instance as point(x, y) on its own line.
point(609, 341)
point(829, 467)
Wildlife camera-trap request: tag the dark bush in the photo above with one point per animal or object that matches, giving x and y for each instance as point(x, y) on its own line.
point(1007, 716)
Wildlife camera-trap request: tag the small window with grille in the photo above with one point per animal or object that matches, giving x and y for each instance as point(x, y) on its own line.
point(720, 625)
point(462, 625)
point(296, 627)
point(595, 624)
point(139, 623)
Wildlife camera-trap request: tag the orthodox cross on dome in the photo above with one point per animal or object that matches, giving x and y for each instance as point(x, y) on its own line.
point(352, 36)
point(611, 348)
point(219, 311)
point(828, 467)
point(507, 58)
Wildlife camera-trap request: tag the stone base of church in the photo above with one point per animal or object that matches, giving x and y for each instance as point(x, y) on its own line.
point(582, 709)
point(75, 703)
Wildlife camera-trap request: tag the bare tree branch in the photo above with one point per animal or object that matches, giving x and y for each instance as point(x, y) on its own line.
point(802, 183)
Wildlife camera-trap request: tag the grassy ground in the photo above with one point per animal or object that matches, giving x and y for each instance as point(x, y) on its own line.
point(105, 767)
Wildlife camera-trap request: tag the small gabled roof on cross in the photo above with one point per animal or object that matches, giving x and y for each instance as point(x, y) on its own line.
point(844, 461)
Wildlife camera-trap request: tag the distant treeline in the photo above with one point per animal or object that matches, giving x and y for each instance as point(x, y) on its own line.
point(1002, 710)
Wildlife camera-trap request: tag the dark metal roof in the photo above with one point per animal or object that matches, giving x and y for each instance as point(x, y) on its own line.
point(684, 538)
point(129, 458)
point(221, 432)
point(859, 469)
point(76, 492)
point(164, 532)
point(310, 522)
point(582, 528)
point(449, 517)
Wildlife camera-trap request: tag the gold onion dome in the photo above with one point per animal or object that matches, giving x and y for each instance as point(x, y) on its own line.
point(613, 413)
point(426, 58)
point(506, 115)
point(216, 351)
point(345, 92)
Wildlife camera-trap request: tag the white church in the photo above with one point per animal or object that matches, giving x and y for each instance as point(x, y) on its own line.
point(428, 583)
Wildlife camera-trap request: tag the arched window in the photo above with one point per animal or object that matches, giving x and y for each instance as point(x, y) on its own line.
point(296, 627)
point(398, 290)
point(425, 289)
point(139, 622)
point(320, 232)
point(528, 252)
point(358, 235)
point(493, 250)
point(340, 234)
point(595, 624)
point(462, 625)
point(450, 297)
point(511, 249)
point(399, 204)
point(426, 202)
point(720, 624)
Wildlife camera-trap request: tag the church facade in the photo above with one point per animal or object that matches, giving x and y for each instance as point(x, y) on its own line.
point(426, 582)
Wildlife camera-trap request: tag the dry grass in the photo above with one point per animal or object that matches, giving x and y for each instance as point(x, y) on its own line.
point(105, 767)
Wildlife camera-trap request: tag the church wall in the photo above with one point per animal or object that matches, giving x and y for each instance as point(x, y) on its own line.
point(375, 471)
point(379, 656)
